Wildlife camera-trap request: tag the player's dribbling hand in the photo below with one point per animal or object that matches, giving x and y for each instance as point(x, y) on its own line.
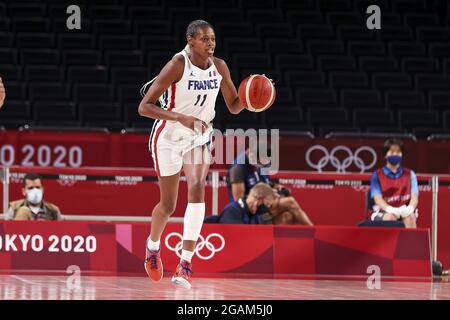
point(193, 123)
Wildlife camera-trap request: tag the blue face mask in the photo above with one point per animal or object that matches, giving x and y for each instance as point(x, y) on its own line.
point(394, 160)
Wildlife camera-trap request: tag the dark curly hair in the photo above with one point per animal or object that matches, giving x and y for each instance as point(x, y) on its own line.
point(195, 25)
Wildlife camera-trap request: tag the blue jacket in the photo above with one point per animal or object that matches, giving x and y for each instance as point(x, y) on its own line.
point(237, 212)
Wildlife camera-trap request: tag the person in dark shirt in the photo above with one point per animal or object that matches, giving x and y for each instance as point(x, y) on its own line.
point(251, 209)
point(245, 173)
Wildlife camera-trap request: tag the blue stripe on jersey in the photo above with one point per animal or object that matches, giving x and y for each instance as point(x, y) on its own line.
point(152, 133)
point(164, 101)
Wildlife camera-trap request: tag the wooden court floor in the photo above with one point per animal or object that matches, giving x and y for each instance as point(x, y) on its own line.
point(56, 287)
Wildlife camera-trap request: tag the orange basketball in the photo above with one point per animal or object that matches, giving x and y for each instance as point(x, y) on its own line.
point(257, 93)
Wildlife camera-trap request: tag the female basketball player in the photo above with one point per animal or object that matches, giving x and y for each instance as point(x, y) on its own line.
point(187, 88)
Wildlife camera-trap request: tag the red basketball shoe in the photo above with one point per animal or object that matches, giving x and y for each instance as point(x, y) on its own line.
point(153, 265)
point(182, 274)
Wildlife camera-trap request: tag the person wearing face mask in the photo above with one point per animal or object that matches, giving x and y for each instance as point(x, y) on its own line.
point(245, 173)
point(251, 209)
point(33, 206)
point(394, 188)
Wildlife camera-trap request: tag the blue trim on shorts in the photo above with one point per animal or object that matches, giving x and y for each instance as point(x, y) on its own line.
point(151, 135)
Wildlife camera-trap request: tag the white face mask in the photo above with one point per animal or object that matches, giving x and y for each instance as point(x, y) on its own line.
point(34, 195)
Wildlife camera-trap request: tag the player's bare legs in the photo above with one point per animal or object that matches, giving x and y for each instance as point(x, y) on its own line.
point(168, 187)
point(196, 177)
point(195, 166)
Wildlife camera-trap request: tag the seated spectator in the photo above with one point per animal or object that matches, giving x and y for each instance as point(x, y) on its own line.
point(2, 93)
point(245, 172)
point(251, 209)
point(394, 188)
point(32, 207)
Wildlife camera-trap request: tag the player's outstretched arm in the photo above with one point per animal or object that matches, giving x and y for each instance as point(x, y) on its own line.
point(2, 93)
point(227, 88)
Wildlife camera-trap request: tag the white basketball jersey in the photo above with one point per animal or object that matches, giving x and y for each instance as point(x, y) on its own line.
point(194, 94)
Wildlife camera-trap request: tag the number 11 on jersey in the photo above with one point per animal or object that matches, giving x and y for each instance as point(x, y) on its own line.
point(198, 100)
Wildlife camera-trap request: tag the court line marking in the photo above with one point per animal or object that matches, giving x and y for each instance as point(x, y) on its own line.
point(23, 280)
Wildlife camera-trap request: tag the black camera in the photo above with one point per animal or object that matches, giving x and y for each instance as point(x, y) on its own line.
point(284, 192)
point(265, 214)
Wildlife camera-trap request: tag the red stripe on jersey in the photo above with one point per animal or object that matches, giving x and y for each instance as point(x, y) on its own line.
point(172, 105)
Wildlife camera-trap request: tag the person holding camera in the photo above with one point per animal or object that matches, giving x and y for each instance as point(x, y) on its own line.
point(245, 173)
point(251, 209)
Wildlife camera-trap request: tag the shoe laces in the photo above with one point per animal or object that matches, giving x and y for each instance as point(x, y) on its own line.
point(185, 268)
point(153, 258)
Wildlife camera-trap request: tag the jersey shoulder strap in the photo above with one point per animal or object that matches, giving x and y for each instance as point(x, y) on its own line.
point(146, 86)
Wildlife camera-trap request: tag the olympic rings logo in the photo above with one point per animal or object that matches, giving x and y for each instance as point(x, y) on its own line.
point(361, 188)
point(341, 166)
point(66, 182)
point(201, 244)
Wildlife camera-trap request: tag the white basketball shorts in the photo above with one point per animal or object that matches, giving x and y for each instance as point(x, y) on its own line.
point(170, 141)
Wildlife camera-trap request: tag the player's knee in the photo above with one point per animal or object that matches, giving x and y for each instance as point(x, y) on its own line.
point(167, 208)
point(196, 186)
